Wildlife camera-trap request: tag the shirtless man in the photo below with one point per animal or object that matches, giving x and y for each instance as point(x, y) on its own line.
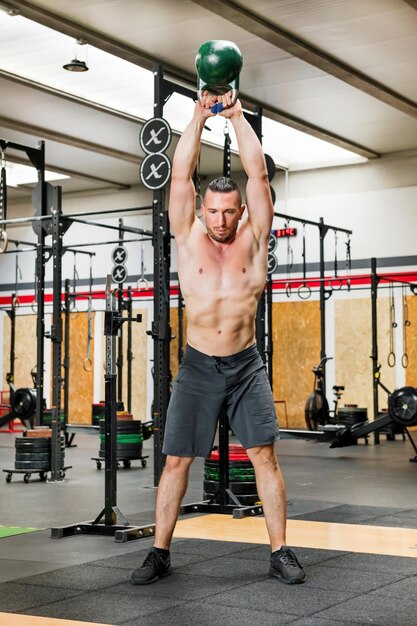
point(222, 271)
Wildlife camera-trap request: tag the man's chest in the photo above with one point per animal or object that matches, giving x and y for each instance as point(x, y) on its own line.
point(237, 267)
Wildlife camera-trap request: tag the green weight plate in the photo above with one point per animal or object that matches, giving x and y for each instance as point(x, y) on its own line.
point(241, 478)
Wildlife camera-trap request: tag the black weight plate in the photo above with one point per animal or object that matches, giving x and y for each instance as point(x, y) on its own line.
point(402, 406)
point(28, 456)
point(123, 455)
point(33, 465)
point(34, 440)
point(23, 448)
point(211, 486)
point(126, 453)
point(125, 447)
point(129, 425)
point(245, 500)
point(28, 443)
point(124, 425)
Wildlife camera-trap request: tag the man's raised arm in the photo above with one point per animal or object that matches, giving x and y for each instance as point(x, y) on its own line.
point(182, 194)
point(258, 195)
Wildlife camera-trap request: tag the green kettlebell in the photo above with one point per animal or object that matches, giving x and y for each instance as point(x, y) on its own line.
point(218, 64)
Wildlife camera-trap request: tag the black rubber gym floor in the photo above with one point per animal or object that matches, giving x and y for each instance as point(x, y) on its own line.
point(213, 582)
point(221, 582)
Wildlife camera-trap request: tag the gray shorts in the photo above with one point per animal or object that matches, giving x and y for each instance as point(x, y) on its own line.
point(204, 385)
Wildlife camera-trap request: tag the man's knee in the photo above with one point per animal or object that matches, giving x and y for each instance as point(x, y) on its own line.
point(178, 463)
point(263, 457)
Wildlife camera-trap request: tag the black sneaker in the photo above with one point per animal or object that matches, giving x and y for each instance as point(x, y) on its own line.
point(155, 566)
point(285, 567)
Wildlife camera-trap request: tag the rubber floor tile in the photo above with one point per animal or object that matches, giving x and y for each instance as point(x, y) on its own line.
point(281, 598)
point(104, 607)
point(180, 586)
point(360, 582)
point(82, 577)
point(207, 614)
point(374, 608)
point(375, 563)
point(16, 596)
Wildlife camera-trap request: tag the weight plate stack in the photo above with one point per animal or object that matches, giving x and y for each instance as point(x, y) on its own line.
point(35, 454)
point(97, 413)
point(46, 418)
point(129, 439)
point(241, 475)
point(350, 415)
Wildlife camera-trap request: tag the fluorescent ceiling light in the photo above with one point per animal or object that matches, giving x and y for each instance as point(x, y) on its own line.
point(36, 52)
point(17, 174)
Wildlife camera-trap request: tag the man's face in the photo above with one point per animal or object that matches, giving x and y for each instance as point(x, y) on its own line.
point(222, 212)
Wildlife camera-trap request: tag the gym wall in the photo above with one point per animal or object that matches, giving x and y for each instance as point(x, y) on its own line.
point(376, 200)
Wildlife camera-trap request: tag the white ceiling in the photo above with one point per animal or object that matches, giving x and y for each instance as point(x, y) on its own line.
point(343, 72)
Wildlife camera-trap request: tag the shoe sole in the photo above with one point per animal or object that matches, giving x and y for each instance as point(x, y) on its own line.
point(153, 580)
point(287, 581)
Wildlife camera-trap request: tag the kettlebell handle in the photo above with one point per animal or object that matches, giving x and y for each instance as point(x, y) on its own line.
point(218, 107)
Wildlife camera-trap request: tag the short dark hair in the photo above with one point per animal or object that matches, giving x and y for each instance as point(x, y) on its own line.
point(223, 184)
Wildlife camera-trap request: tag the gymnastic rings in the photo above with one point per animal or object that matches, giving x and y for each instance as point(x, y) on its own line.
point(73, 309)
point(335, 284)
point(16, 302)
point(4, 240)
point(142, 284)
point(405, 360)
point(304, 292)
point(87, 364)
point(391, 359)
point(288, 290)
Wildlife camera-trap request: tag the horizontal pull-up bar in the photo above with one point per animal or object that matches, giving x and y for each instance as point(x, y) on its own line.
point(73, 218)
point(125, 229)
point(110, 211)
point(311, 223)
point(106, 243)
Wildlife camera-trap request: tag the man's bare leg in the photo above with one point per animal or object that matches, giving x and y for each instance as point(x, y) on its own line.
point(271, 490)
point(171, 490)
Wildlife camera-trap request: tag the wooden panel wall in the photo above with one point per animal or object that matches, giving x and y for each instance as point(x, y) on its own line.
point(411, 371)
point(81, 382)
point(296, 337)
point(139, 366)
point(173, 350)
point(25, 349)
point(353, 340)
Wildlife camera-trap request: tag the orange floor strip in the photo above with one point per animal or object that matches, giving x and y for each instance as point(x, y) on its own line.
point(11, 619)
point(324, 535)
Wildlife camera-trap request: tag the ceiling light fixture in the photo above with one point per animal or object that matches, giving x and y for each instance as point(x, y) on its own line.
point(76, 65)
